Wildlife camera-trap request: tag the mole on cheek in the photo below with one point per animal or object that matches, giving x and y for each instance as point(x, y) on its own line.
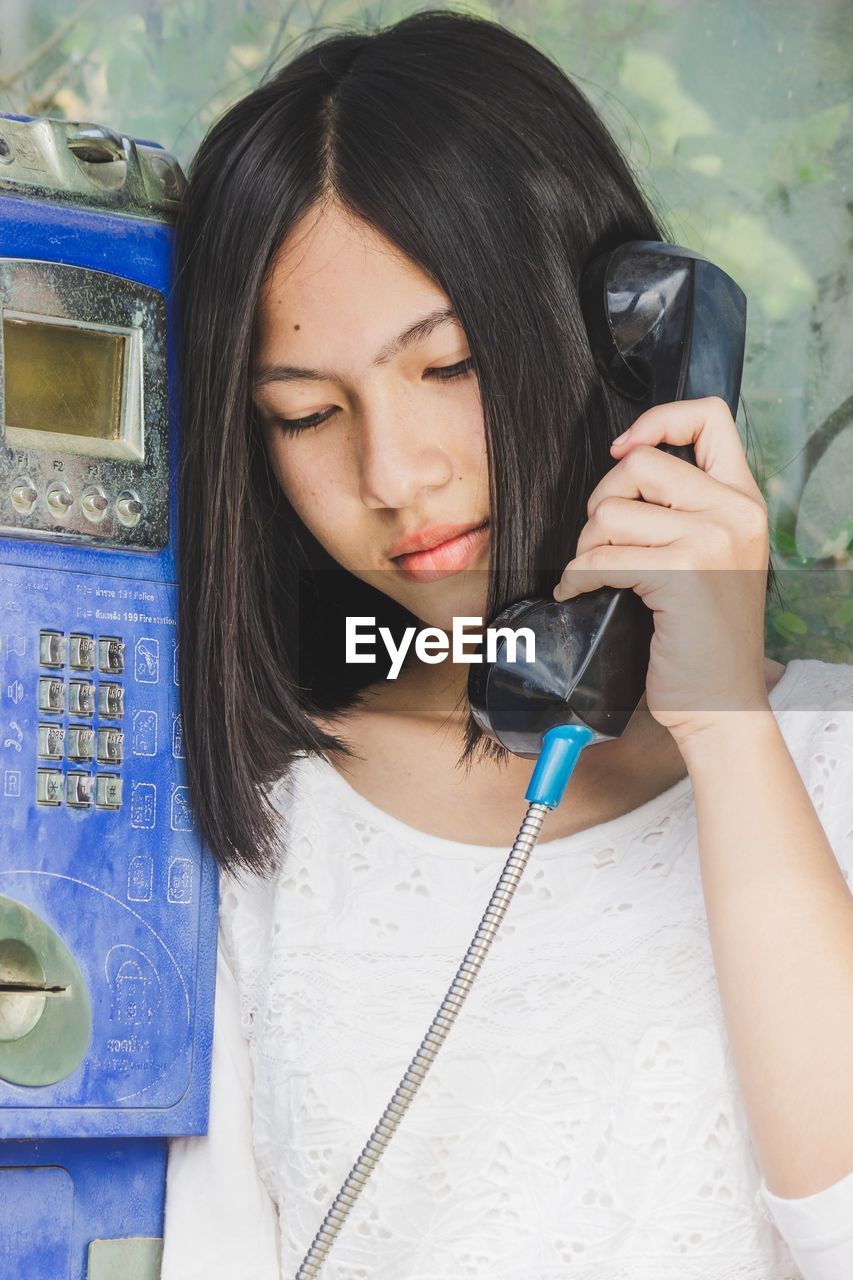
point(296, 326)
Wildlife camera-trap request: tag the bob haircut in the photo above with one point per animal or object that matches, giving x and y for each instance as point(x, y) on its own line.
point(481, 161)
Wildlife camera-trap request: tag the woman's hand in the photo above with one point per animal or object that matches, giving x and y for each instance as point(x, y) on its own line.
point(696, 550)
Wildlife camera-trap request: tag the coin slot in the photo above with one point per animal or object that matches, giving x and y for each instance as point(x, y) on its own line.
point(23, 989)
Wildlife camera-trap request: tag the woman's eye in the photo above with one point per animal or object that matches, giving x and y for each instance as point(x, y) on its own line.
point(443, 374)
point(302, 424)
point(449, 371)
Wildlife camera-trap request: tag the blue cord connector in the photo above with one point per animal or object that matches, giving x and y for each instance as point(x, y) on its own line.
point(561, 748)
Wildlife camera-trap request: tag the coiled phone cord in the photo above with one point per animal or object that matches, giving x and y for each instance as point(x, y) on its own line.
point(562, 746)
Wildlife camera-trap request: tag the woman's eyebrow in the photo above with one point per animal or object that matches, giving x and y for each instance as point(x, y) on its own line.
point(416, 332)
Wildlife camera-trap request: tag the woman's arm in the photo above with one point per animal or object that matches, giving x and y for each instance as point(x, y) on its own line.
point(692, 541)
point(780, 917)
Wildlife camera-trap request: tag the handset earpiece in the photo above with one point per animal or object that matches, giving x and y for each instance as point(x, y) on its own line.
point(664, 324)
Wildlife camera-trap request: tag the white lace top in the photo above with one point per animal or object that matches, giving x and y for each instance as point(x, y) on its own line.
point(583, 1120)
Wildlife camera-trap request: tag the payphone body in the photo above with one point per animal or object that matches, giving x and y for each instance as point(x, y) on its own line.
point(108, 898)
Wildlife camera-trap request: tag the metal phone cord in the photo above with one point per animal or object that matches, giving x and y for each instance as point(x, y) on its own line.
point(433, 1040)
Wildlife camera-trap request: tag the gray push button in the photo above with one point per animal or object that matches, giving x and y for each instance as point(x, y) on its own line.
point(59, 500)
point(108, 791)
point(51, 649)
point(82, 652)
point(50, 739)
point(111, 700)
point(111, 655)
point(110, 746)
point(79, 790)
point(81, 743)
point(51, 694)
point(134, 1258)
point(23, 495)
point(81, 698)
point(49, 787)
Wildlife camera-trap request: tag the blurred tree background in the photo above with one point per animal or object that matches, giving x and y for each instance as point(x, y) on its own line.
point(735, 117)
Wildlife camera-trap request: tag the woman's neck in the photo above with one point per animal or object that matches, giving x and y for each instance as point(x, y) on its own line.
point(408, 734)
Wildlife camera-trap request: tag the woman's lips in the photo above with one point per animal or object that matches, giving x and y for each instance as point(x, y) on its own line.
point(445, 559)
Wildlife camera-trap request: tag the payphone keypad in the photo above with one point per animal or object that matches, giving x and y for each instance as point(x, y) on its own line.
point(83, 697)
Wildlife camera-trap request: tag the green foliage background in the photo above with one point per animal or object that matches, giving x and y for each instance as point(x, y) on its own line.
point(736, 118)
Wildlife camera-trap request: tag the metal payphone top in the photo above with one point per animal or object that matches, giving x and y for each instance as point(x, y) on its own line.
point(85, 456)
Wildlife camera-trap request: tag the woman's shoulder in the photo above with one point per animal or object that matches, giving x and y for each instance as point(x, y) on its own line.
point(247, 895)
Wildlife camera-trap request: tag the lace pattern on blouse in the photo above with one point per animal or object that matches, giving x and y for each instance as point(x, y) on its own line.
point(583, 1118)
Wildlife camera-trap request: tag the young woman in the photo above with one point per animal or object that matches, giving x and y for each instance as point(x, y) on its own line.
point(383, 350)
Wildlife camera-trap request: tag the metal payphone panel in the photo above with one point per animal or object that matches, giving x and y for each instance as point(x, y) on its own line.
point(98, 842)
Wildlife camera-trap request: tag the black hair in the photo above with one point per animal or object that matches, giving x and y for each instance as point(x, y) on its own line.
point(479, 158)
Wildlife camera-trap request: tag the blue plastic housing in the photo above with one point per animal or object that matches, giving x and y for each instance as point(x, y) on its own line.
point(132, 892)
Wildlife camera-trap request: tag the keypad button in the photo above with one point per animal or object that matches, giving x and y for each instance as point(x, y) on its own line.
point(110, 746)
point(81, 652)
point(81, 698)
point(81, 743)
point(108, 791)
point(51, 694)
point(78, 790)
point(48, 787)
point(111, 655)
point(111, 700)
point(50, 741)
point(51, 649)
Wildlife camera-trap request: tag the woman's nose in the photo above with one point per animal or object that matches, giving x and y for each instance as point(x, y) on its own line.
point(399, 455)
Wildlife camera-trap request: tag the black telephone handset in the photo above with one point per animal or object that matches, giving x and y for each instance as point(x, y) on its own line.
point(664, 324)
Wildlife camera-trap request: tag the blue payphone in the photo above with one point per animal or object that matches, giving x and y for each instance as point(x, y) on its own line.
point(108, 898)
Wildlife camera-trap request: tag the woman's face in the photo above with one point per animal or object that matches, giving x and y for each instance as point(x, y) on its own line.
point(399, 450)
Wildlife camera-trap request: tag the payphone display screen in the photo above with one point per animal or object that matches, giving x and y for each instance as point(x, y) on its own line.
point(63, 378)
point(84, 406)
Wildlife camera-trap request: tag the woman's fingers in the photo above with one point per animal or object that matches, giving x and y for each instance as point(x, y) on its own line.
point(631, 568)
point(648, 473)
point(619, 521)
point(708, 425)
